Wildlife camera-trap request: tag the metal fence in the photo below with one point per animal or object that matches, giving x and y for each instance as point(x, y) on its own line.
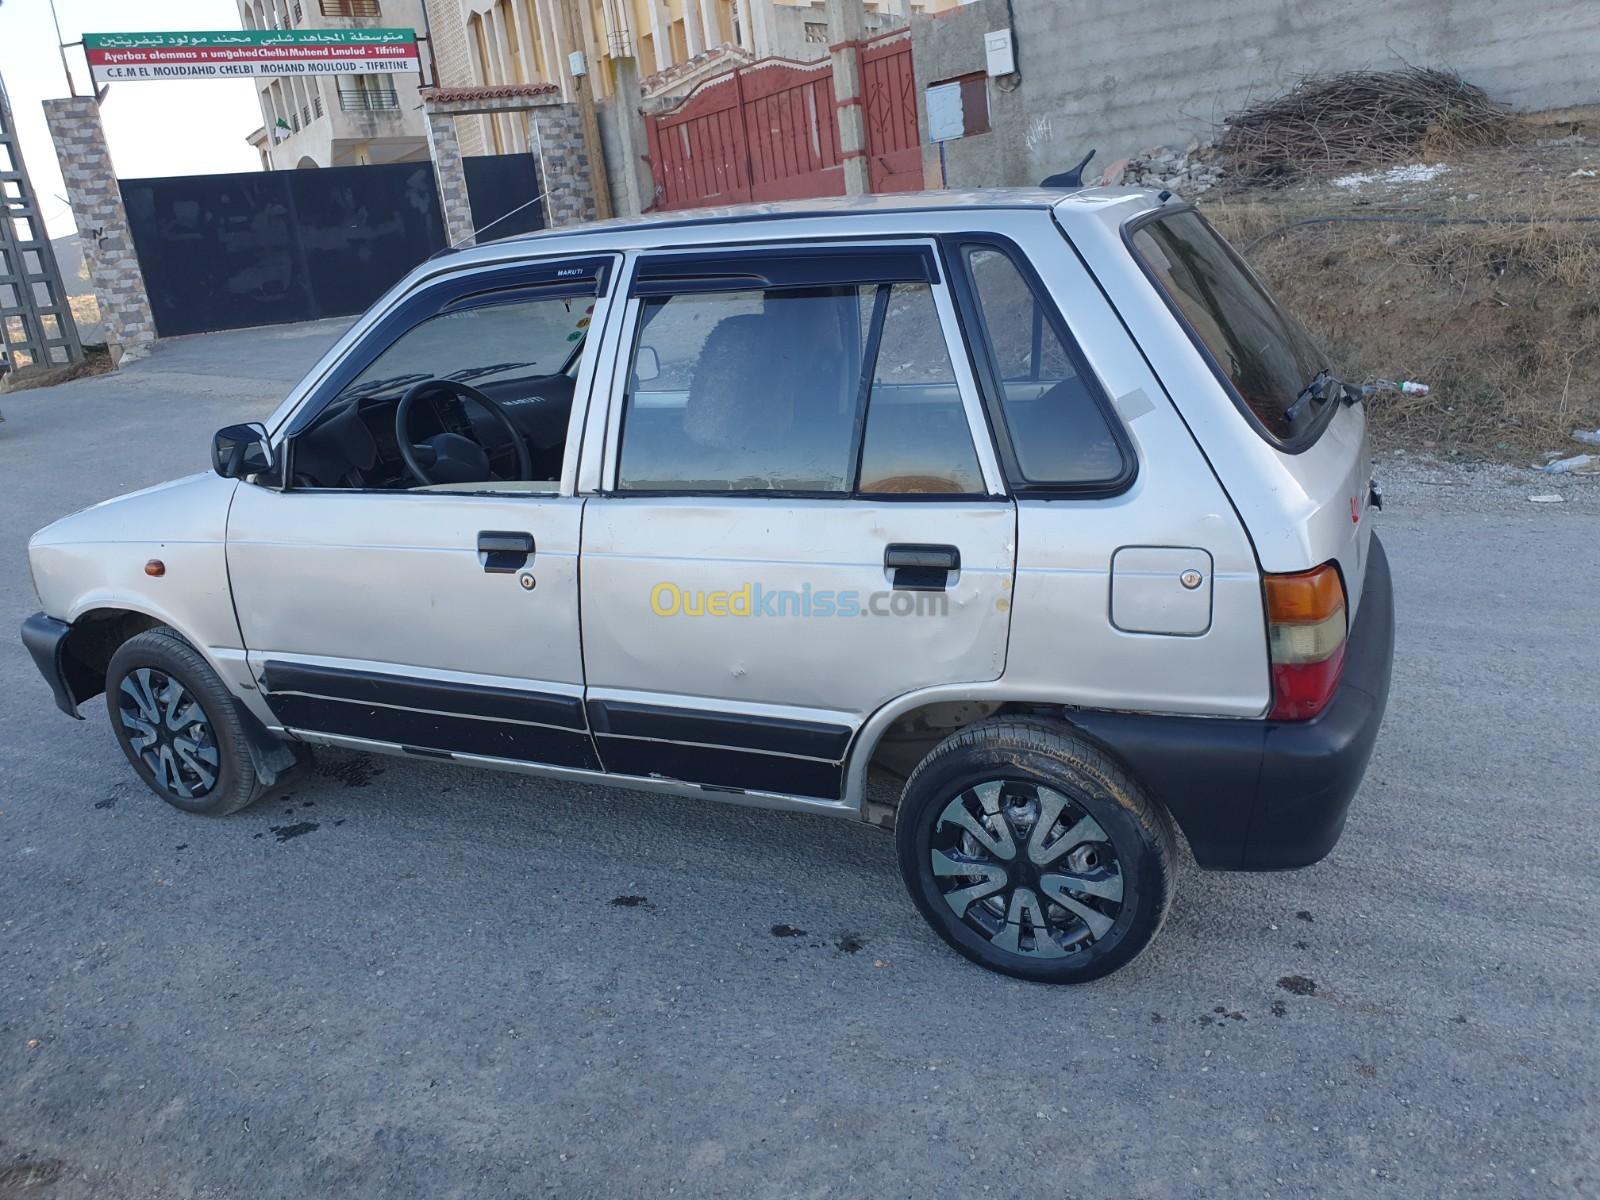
point(229, 251)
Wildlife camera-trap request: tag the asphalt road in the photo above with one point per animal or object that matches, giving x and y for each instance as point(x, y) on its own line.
point(407, 979)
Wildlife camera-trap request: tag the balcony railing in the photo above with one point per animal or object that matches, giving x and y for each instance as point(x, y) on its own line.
point(368, 99)
point(351, 8)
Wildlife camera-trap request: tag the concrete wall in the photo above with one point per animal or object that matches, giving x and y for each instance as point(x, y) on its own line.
point(1122, 75)
point(787, 28)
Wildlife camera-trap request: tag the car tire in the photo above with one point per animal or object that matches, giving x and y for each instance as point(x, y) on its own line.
point(1073, 863)
point(179, 725)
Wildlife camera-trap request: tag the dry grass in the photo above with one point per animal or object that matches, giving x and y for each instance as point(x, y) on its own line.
point(85, 309)
point(1502, 321)
point(96, 361)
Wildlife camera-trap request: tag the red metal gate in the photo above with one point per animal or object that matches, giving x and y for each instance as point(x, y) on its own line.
point(770, 131)
point(889, 107)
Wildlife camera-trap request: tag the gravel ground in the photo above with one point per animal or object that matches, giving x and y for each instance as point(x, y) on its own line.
point(406, 979)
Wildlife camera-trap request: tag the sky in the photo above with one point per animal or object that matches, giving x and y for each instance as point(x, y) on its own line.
point(165, 127)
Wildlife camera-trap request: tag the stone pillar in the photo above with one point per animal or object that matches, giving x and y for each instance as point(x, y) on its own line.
point(103, 231)
point(454, 206)
point(846, 25)
point(563, 164)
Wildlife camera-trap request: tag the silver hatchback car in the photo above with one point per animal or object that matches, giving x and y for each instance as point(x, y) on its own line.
point(1025, 523)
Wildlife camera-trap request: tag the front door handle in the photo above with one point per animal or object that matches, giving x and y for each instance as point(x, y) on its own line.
point(502, 553)
point(921, 568)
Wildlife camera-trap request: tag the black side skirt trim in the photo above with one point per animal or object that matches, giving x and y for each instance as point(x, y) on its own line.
point(742, 769)
point(501, 704)
point(437, 731)
point(771, 735)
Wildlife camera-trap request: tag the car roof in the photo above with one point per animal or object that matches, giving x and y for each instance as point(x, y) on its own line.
point(1083, 202)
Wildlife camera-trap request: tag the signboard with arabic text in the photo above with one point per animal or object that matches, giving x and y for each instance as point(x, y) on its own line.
point(232, 53)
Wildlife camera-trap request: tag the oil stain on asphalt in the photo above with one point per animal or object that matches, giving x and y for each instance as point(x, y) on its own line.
point(1299, 985)
point(300, 828)
point(352, 772)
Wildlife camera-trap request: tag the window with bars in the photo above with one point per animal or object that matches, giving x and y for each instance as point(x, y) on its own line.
point(351, 8)
point(817, 33)
point(368, 93)
point(316, 105)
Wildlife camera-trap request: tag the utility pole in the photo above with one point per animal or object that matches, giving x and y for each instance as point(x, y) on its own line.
point(584, 95)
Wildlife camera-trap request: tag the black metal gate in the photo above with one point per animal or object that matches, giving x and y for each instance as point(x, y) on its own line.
point(228, 251)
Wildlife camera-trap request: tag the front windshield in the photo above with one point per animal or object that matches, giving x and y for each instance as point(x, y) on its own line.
point(1265, 353)
point(512, 340)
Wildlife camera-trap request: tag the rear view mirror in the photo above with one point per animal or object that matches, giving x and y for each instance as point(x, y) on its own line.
point(646, 364)
point(241, 450)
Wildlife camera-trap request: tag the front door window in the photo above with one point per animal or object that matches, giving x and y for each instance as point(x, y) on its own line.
point(475, 398)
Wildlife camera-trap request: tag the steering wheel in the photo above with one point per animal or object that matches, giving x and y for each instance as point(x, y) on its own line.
point(456, 456)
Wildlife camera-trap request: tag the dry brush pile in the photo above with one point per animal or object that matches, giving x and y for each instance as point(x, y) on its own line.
point(1357, 118)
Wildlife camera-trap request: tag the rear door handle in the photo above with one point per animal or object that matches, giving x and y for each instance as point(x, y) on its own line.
point(501, 553)
point(921, 568)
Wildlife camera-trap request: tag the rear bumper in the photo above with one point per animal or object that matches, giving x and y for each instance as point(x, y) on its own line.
point(46, 639)
point(1267, 795)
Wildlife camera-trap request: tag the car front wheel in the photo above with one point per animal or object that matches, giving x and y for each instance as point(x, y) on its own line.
point(177, 723)
point(1034, 853)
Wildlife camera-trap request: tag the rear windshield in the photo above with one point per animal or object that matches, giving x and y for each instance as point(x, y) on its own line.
point(1262, 350)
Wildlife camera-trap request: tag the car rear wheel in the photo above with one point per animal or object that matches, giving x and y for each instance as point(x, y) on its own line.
point(1033, 853)
point(176, 722)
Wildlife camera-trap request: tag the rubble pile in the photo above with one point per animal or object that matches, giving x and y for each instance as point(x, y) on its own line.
point(1187, 172)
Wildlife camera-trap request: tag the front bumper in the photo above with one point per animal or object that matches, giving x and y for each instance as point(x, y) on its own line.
point(46, 639)
point(1267, 795)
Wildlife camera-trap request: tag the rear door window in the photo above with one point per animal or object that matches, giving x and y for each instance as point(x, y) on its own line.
point(745, 391)
point(1267, 358)
point(805, 378)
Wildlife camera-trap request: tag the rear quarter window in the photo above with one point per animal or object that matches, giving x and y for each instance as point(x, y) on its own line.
point(1263, 354)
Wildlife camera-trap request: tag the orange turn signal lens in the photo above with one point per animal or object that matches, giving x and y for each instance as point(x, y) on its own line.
point(155, 567)
point(1305, 597)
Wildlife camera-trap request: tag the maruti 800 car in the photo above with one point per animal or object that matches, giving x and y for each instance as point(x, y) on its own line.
point(1033, 509)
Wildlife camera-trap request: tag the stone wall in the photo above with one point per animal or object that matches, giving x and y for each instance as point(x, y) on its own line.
point(555, 134)
point(96, 202)
point(556, 131)
point(444, 147)
point(1157, 72)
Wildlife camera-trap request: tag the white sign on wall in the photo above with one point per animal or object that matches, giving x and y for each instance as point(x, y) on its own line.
point(946, 122)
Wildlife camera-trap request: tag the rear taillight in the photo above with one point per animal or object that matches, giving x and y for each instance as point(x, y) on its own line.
point(1305, 635)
